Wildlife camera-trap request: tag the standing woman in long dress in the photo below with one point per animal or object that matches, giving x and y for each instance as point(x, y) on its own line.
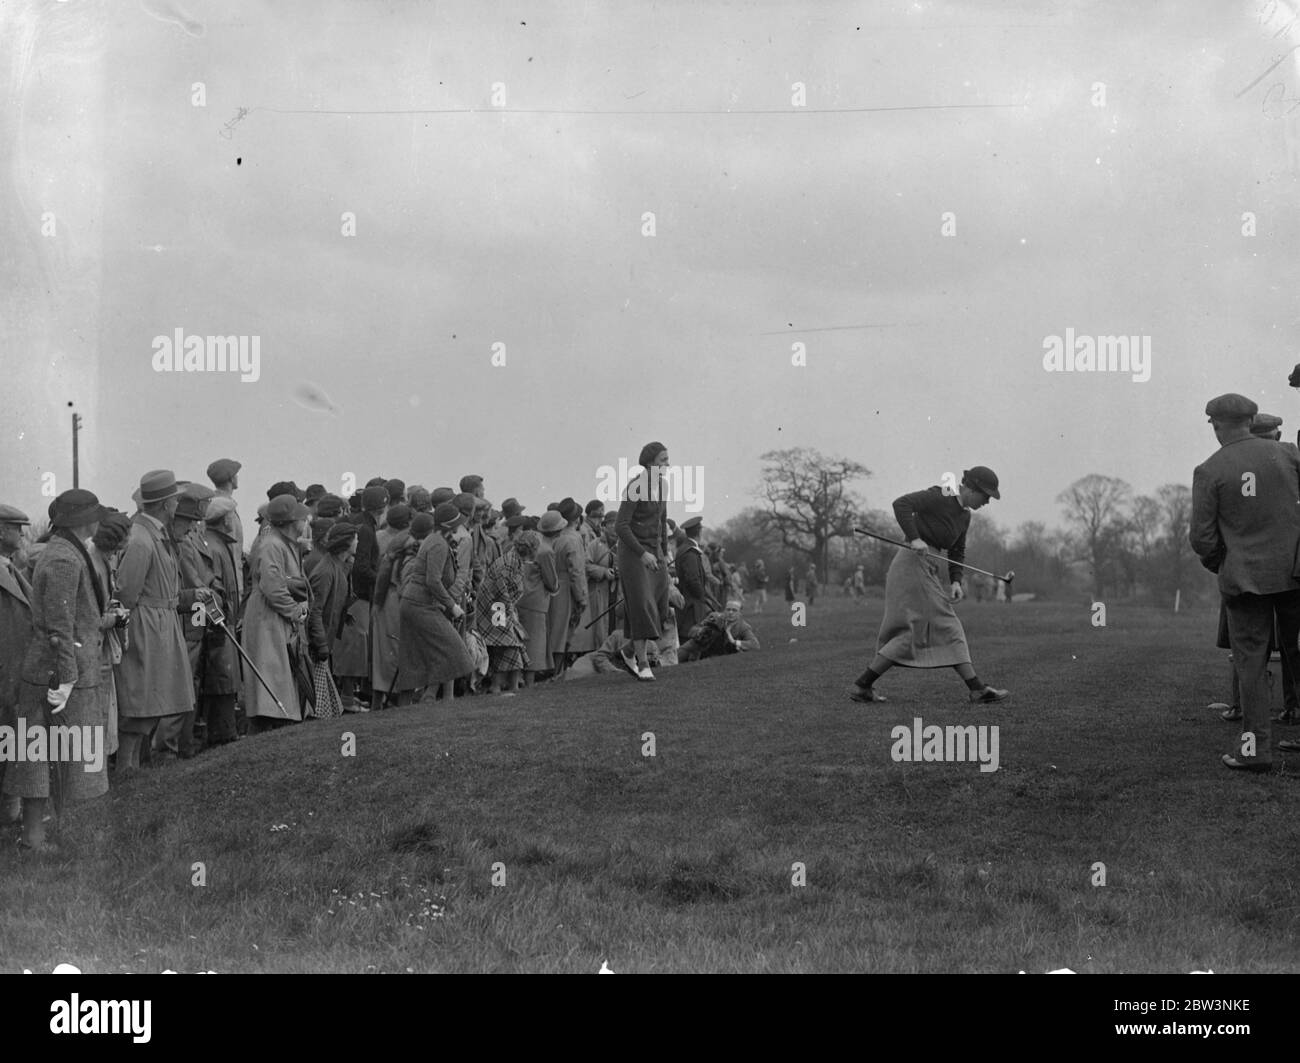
point(642, 529)
point(430, 651)
point(273, 616)
point(920, 629)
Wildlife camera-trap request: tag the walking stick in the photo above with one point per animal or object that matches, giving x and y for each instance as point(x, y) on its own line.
point(214, 613)
point(893, 542)
point(55, 767)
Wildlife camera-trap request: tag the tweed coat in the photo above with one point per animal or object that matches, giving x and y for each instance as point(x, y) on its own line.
point(154, 677)
point(1248, 530)
point(64, 605)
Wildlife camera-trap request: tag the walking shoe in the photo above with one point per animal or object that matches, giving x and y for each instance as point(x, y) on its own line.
point(865, 695)
point(1229, 761)
point(629, 662)
point(1289, 745)
point(988, 695)
point(645, 673)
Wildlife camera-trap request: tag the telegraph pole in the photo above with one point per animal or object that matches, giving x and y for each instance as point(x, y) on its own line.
point(76, 425)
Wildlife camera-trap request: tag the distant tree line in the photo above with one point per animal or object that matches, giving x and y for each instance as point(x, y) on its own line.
point(1112, 543)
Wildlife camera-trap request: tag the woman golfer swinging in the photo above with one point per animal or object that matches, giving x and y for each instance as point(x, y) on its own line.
point(920, 628)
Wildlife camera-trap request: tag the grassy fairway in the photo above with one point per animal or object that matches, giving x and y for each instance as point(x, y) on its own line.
point(682, 862)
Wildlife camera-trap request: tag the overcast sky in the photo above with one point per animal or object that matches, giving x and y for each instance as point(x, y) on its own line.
point(523, 226)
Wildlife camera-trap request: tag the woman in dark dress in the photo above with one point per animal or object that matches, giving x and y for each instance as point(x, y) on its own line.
point(430, 651)
point(920, 628)
point(642, 529)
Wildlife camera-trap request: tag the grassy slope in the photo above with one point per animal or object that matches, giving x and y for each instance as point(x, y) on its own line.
point(683, 862)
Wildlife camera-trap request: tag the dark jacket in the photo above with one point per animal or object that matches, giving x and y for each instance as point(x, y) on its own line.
point(366, 564)
point(64, 604)
point(940, 520)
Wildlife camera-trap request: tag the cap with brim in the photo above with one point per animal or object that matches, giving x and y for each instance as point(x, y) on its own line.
point(439, 495)
point(552, 521)
point(482, 503)
point(1265, 424)
point(223, 470)
point(464, 503)
point(198, 491)
point(75, 508)
point(373, 498)
point(156, 486)
point(13, 515)
point(1231, 407)
point(692, 523)
point(285, 509)
point(981, 478)
point(188, 509)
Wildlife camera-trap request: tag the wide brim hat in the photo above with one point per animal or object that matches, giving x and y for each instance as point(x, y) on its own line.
point(156, 486)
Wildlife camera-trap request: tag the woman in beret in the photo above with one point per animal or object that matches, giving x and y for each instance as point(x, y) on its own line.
point(642, 529)
point(920, 629)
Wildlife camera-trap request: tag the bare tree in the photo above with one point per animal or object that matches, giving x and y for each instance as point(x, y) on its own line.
point(1094, 509)
point(808, 501)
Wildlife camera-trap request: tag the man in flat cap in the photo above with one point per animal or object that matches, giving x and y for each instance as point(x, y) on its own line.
point(224, 474)
point(1245, 526)
point(15, 631)
point(153, 679)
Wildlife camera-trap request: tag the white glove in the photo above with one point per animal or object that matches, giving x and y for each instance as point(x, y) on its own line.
point(58, 697)
point(957, 593)
point(918, 545)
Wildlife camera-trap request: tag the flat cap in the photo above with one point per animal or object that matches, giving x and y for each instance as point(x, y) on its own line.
point(197, 491)
point(76, 507)
point(1231, 407)
point(439, 495)
point(223, 470)
point(1265, 424)
point(464, 502)
point(981, 478)
point(12, 515)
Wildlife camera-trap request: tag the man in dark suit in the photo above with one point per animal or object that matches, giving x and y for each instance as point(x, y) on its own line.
point(692, 579)
point(1246, 527)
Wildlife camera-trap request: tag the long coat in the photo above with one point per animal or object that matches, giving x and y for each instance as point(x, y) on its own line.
point(64, 605)
point(540, 583)
point(571, 596)
point(269, 623)
point(154, 677)
point(692, 581)
point(15, 634)
point(430, 650)
point(386, 610)
point(599, 564)
point(222, 667)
